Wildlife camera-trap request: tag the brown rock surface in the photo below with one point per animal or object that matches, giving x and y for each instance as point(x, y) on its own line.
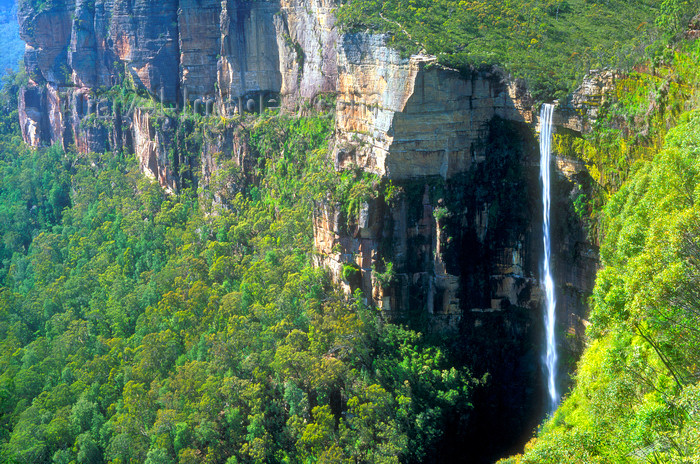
point(410, 117)
point(200, 45)
point(151, 146)
point(47, 33)
point(145, 37)
point(227, 51)
point(580, 112)
point(308, 29)
point(249, 50)
point(32, 101)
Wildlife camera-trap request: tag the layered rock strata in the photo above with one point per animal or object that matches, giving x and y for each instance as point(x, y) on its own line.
point(430, 129)
point(208, 55)
point(456, 250)
point(581, 110)
point(407, 118)
point(464, 235)
point(465, 257)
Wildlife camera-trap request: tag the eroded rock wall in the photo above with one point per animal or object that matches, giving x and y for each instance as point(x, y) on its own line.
point(222, 56)
point(407, 118)
point(464, 236)
point(455, 250)
point(307, 31)
point(468, 244)
point(425, 127)
point(580, 111)
point(433, 132)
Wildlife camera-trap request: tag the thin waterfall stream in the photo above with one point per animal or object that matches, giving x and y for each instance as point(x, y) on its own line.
point(550, 301)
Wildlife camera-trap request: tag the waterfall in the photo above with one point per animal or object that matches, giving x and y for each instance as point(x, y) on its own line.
point(549, 317)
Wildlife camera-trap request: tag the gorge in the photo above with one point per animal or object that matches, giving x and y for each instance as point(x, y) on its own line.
point(461, 238)
point(292, 155)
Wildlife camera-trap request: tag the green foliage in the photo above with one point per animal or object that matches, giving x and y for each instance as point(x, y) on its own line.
point(632, 126)
point(385, 277)
point(672, 14)
point(551, 43)
point(350, 272)
point(137, 326)
point(632, 400)
point(29, 203)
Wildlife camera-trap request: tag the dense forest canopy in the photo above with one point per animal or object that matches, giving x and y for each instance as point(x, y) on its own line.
point(141, 327)
point(138, 325)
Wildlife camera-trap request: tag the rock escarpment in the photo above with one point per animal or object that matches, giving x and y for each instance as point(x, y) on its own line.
point(228, 57)
point(463, 238)
point(177, 57)
point(455, 250)
point(444, 138)
point(410, 117)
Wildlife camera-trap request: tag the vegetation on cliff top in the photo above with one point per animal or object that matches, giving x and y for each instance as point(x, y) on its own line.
point(141, 327)
point(632, 124)
point(551, 43)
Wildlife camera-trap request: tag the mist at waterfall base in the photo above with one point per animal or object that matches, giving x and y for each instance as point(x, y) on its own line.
point(550, 355)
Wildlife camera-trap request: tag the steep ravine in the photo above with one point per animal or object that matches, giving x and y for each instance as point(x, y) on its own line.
point(462, 234)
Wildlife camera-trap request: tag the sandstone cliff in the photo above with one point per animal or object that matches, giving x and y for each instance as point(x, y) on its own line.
point(456, 251)
point(231, 56)
point(463, 237)
point(410, 117)
point(431, 131)
point(427, 128)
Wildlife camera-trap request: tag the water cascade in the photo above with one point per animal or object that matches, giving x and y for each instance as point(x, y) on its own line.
point(549, 317)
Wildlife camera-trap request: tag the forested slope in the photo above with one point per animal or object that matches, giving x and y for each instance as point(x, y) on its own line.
point(136, 326)
point(637, 388)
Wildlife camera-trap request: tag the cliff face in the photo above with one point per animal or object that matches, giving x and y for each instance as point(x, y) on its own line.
point(457, 250)
point(580, 111)
point(462, 150)
point(205, 56)
point(463, 238)
point(452, 247)
point(241, 56)
point(410, 117)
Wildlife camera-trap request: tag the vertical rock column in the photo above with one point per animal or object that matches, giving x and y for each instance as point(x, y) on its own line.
point(249, 61)
point(144, 34)
point(200, 45)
